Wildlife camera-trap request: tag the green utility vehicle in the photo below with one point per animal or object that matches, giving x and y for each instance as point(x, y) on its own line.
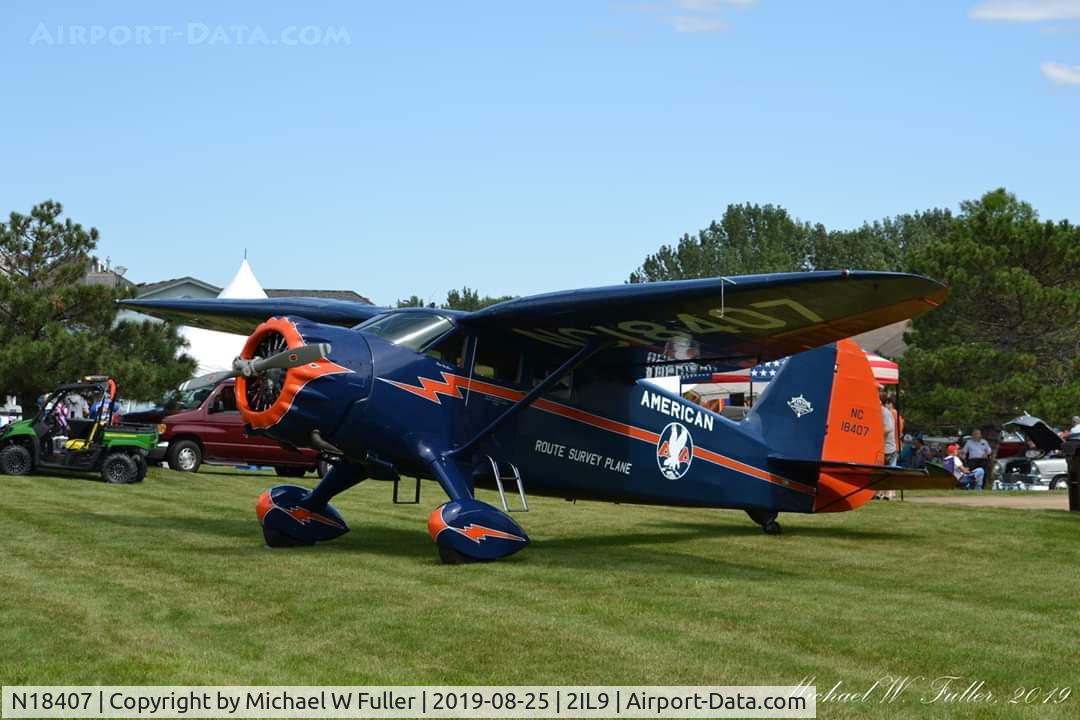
point(74, 432)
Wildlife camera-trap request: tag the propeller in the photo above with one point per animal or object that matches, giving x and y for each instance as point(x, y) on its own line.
point(283, 360)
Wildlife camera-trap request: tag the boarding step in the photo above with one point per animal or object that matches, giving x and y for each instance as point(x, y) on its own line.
point(416, 493)
point(514, 475)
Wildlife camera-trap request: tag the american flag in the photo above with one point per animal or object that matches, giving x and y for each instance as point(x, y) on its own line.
point(767, 371)
point(885, 372)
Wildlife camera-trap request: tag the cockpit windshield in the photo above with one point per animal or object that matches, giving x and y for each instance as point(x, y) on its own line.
point(413, 330)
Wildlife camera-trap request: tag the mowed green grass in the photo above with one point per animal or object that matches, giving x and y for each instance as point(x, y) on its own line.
point(168, 582)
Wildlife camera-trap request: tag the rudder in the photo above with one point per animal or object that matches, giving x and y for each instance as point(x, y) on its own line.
point(823, 406)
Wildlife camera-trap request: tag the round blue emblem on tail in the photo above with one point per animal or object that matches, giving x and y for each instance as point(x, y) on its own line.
point(674, 451)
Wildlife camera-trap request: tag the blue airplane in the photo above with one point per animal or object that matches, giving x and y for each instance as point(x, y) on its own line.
point(546, 395)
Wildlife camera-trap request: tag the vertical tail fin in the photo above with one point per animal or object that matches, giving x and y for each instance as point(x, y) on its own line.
point(823, 405)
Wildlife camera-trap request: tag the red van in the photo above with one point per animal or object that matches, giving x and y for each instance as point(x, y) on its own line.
point(205, 426)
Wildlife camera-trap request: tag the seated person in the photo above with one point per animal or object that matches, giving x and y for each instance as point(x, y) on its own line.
point(921, 454)
point(965, 478)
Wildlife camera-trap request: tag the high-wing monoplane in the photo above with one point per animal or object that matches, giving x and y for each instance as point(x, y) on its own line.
point(545, 395)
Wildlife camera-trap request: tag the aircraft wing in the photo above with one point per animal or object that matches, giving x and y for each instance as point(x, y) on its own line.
point(753, 317)
point(242, 316)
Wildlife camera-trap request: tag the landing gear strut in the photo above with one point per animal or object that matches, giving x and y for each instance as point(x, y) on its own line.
point(766, 519)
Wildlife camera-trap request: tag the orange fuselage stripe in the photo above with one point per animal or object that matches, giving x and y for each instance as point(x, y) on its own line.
point(452, 384)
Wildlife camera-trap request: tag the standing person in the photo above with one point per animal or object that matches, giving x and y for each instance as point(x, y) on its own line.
point(976, 453)
point(898, 419)
point(889, 445)
point(888, 419)
point(1075, 430)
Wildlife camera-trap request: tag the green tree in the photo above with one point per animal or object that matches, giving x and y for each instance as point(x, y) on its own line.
point(470, 300)
point(747, 239)
point(413, 301)
point(762, 239)
point(55, 328)
point(1008, 338)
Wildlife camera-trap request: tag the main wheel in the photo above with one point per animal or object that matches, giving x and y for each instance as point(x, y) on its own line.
point(15, 460)
point(450, 556)
point(290, 472)
point(185, 456)
point(276, 539)
point(120, 469)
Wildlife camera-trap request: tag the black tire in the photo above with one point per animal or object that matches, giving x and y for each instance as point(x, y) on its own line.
point(450, 556)
point(185, 456)
point(119, 468)
point(1058, 481)
point(322, 468)
point(16, 460)
point(140, 463)
point(277, 539)
point(290, 472)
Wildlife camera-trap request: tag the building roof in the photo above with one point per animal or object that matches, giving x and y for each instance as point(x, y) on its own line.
point(153, 287)
point(150, 288)
point(329, 294)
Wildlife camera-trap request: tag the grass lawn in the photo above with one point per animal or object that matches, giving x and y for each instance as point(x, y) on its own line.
point(168, 582)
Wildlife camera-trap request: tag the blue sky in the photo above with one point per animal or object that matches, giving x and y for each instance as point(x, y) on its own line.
point(518, 147)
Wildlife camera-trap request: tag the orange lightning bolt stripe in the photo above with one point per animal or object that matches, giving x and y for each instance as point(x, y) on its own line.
point(476, 533)
point(431, 389)
point(303, 516)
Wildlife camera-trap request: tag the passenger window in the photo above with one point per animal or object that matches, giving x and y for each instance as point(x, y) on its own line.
point(451, 349)
point(497, 361)
point(542, 364)
point(225, 401)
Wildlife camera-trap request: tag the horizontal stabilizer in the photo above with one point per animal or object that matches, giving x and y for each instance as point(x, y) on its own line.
point(875, 477)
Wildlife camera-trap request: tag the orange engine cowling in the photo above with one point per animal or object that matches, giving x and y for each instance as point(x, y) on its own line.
point(266, 398)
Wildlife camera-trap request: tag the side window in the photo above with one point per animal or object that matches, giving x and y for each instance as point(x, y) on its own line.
point(228, 399)
point(451, 349)
point(542, 363)
point(497, 360)
point(224, 401)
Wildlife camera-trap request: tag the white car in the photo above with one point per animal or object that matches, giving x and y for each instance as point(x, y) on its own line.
point(1033, 473)
point(1049, 472)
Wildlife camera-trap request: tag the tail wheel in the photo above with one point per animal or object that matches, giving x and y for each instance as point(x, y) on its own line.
point(15, 460)
point(119, 469)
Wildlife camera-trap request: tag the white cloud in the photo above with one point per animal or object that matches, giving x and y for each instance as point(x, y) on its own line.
point(1061, 74)
point(1027, 10)
point(690, 16)
point(696, 24)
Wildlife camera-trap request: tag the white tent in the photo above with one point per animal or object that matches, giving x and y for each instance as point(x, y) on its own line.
point(214, 351)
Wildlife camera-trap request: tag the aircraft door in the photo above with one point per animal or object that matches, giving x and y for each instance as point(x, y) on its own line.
point(496, 371)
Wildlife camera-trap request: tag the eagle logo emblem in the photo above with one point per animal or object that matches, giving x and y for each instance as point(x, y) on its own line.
point(674, 451)
point(800, 406)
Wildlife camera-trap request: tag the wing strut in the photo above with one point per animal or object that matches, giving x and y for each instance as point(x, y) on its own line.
point(575, 360)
